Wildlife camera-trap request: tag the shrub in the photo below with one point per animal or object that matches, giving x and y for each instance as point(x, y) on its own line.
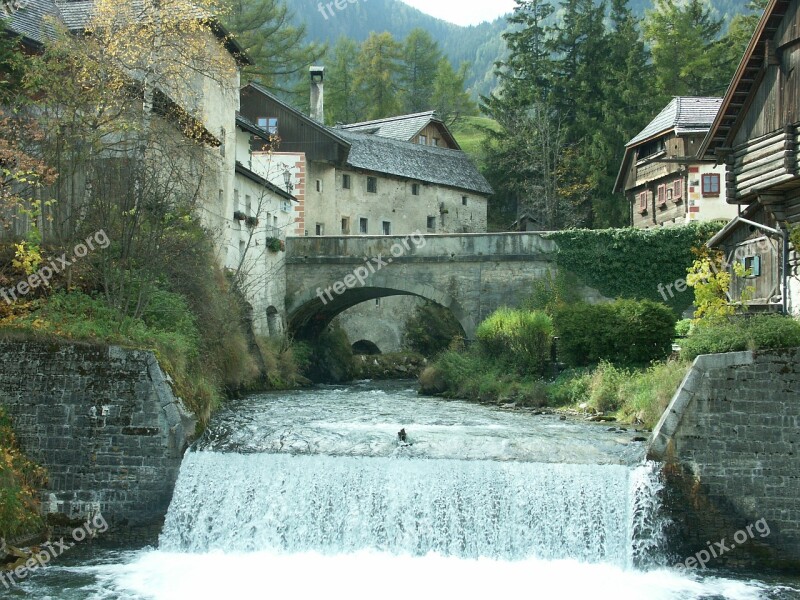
point(683, 327)
point(517, 337)
point(626, 332)
point(552, 291)
point(604, 387)
point(762, 332)
point(20, 481)
point(331, 357)
point(645, 395)
point(431, 329)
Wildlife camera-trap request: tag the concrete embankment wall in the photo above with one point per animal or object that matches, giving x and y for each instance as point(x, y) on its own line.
point(730, 440)
point(103, 421)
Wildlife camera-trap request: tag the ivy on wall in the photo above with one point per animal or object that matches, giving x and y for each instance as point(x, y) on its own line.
point(634, 263)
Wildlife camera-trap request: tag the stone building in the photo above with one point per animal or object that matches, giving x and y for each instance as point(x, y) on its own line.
point(664, 181)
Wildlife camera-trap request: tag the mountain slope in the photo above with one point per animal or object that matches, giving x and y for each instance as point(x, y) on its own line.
point(480, 45)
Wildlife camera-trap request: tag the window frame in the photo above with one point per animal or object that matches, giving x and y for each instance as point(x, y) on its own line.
point(372, 184)
point(346, 181)
point(431, 219)
point(713, 178)
point(415, 189)
point(386, 227)
point(363, 225)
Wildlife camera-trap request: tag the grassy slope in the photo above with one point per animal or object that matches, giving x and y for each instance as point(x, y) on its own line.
point(470, 133)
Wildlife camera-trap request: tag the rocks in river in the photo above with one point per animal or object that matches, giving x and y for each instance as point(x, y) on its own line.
point(602, 419)
point(639, 438)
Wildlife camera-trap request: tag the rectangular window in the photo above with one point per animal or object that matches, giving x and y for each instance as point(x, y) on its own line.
point(415, 189)
point(235, 200)
point(242, 250)
point(711, 184)
point(372, 185)
point(345, 181)
point(464, 200)
point(677, 190)
point(753, 264)
point(345, 225)
point(643, 202)
point(662, 195)
point(423, 140)
point(275, 221)
point(363, 225)
point(248, 205)
point(268, 124)
point(319, 186)
point(431, 223)
point(435, 141)
point(320, 230)
point(387, 228)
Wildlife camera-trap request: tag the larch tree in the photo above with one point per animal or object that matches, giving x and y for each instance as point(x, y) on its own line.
point(420, 64)
point(377, 73)
point(450, 98)
point(343, 103)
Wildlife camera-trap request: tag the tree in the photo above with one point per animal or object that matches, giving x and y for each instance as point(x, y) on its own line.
point(377, 75)
point(688, 56)
point(421, 56)
point(117, 111)
point(451, 101)
point(267, 31)
point(343, 103)
point(741, 30)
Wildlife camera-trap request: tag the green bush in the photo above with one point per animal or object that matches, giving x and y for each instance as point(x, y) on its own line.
point(683, 327)
point(762, 332)
point(552, 291)
point(624, 332)
point(517, 337)
point(431, 329)
point(331, 357)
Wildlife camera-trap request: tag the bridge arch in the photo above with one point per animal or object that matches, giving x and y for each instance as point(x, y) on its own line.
point(311, 310)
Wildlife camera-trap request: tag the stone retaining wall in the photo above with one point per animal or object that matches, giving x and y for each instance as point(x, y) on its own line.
point(103, 421)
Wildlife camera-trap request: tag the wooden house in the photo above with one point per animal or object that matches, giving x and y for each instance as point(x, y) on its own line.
point(755, 135)
point(664, 181)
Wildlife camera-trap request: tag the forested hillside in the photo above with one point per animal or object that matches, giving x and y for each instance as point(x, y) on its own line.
point(480, 46)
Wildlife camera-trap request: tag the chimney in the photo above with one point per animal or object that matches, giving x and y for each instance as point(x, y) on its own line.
point(317, 94)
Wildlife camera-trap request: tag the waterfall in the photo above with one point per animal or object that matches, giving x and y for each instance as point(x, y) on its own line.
point(413, 506)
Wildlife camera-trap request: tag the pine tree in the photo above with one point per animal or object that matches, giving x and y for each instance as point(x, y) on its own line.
point(267, 31)
point(450, 99)
point(377, 73)
point(421, 56)
point(688, 56)
point(343, 103)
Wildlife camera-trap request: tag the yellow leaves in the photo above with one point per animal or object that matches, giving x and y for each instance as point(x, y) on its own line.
point(711, 281)
point(27, 257)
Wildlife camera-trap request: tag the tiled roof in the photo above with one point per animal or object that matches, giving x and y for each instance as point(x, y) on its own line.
point(439, 166)
point(76, 14)
point(683, 115)
point(32, 21)
point(403, 127)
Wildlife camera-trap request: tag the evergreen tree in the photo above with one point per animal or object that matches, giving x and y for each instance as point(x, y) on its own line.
point(267, 31)
point(377, 72)
point(343, 103)
point(741, 30)
point(688, 56)
point(421, 56)
point(450, 99)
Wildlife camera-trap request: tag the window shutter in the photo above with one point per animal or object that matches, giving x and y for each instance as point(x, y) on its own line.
point(662, 194)
point(677, 191)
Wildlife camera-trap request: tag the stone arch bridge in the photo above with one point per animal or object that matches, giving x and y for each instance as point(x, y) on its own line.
point(470, 274)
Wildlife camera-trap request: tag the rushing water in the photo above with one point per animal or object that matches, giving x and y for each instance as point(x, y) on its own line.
point(308, 494)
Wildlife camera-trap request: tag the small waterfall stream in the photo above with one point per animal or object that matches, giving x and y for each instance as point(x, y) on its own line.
point(466, 509)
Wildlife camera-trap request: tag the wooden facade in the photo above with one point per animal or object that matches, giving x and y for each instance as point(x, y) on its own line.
point(756, 134)
point(661, 176)
point(297, 132)
point(436, 134)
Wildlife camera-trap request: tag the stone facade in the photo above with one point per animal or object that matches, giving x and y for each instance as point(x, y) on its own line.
point(104, 423)
point(730, 439)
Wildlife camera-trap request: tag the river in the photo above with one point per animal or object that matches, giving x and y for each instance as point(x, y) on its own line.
point(308, 494)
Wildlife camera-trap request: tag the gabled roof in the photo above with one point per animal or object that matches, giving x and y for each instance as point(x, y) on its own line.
point(33, 21)
point(745, 81)
point(305, 119)
point(428, 164)
point(683, 115)
point(403, 127)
